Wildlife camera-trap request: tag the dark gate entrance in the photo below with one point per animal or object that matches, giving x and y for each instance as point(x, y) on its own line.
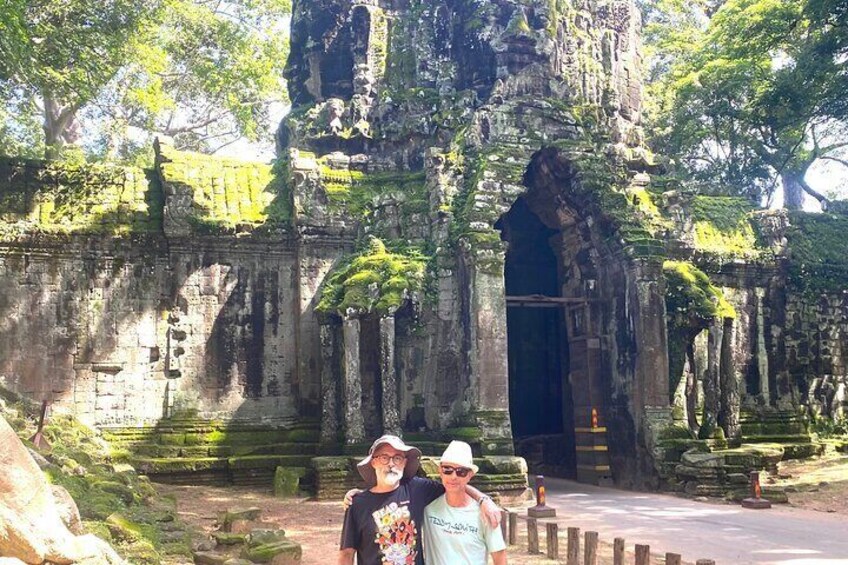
point(554, 353)
point(539, 392)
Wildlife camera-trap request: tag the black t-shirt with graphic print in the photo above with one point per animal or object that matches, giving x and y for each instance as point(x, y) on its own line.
point(385, 528)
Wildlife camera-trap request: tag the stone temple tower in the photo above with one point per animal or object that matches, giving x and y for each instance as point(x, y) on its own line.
point(498, 143)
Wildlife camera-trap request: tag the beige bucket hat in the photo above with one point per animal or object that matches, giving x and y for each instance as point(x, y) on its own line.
point(458, 453)
point(413, 456)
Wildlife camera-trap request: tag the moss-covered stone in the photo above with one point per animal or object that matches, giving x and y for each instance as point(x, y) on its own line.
point(225, 194)
point(817, 252)
point(287, 480)
point(284, 552)
point(69, 197)
point(229, 538)
point(723, 227)
point(375, 280)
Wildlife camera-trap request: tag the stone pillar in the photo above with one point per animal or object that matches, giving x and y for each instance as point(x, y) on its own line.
point(489, 376)
point(712, 380)
point(762, 352)
point(729, 386)
point(646, 304)
point(354, 426)
point(329, 386)
point(391, 414)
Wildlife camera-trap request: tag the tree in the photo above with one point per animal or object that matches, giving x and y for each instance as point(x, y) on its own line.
point(59, 55)
point(203, 72)
point(760, 98)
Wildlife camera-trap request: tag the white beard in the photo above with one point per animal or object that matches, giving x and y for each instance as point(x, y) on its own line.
point(392, 478)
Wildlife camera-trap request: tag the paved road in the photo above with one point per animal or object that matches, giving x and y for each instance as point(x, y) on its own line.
point(729, 534)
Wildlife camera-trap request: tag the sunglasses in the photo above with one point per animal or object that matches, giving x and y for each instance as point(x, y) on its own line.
point(461, 472)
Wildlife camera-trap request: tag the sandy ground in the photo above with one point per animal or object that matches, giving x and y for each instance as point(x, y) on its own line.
point(820, 484)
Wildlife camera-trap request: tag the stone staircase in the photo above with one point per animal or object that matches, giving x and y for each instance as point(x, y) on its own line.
point(195, 451)
point(786, 429)
point(502, 476)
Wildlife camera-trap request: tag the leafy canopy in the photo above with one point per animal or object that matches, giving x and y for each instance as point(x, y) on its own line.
point(111, 74)
point(751, 94)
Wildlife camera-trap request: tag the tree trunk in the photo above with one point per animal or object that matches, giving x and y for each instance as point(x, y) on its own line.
point(59, 126)
point(793, 190)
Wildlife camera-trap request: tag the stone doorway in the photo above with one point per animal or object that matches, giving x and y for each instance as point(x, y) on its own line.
point(541, 407)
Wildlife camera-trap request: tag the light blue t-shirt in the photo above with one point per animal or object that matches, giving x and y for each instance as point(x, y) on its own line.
point(458, 535)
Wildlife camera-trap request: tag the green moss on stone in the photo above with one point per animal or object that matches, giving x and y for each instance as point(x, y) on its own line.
point(226, 193)
point(77, 197)
point(689, 293)
point(818, 252)
point(375, 280)
point(723, 226)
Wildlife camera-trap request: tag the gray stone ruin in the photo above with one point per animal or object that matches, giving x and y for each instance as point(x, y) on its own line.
point(464, 236)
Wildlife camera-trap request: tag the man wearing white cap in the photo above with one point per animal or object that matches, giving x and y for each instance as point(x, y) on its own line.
point(382, 526)
point(454, 531)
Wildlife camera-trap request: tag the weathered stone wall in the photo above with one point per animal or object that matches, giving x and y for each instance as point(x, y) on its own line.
point(814, 338)
point(125, 334)
point(111, 313)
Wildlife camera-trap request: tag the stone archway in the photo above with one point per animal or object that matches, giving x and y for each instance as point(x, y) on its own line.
point(609, 320)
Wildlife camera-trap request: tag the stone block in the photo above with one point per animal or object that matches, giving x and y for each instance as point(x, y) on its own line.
point(284, 552)
point(260, 536)
point(209, 558)
point(232, 515)
point(287, 480)
point(229, 538)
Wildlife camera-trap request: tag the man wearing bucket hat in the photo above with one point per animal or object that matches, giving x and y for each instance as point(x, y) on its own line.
point(383, 523)
point(454, 531)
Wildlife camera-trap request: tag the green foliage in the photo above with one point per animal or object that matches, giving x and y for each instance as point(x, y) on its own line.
point(744, 91)
point(203, 73)
point(375, 280)
point(829, 427)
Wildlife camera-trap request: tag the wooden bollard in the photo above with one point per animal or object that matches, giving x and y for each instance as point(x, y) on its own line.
point(643, 554)
point(552, 531)
point(672, 559)
point(532, 536)
point(618, 551)
point(590, 552)
point(573, 556)
point(513, 528)
point(505, 524)
point(705, 562)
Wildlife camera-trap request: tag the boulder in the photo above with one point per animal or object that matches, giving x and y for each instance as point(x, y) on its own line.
point(68, 511)
point(31, 527)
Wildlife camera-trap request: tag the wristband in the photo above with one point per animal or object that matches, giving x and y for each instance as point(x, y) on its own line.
point(483, 499)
